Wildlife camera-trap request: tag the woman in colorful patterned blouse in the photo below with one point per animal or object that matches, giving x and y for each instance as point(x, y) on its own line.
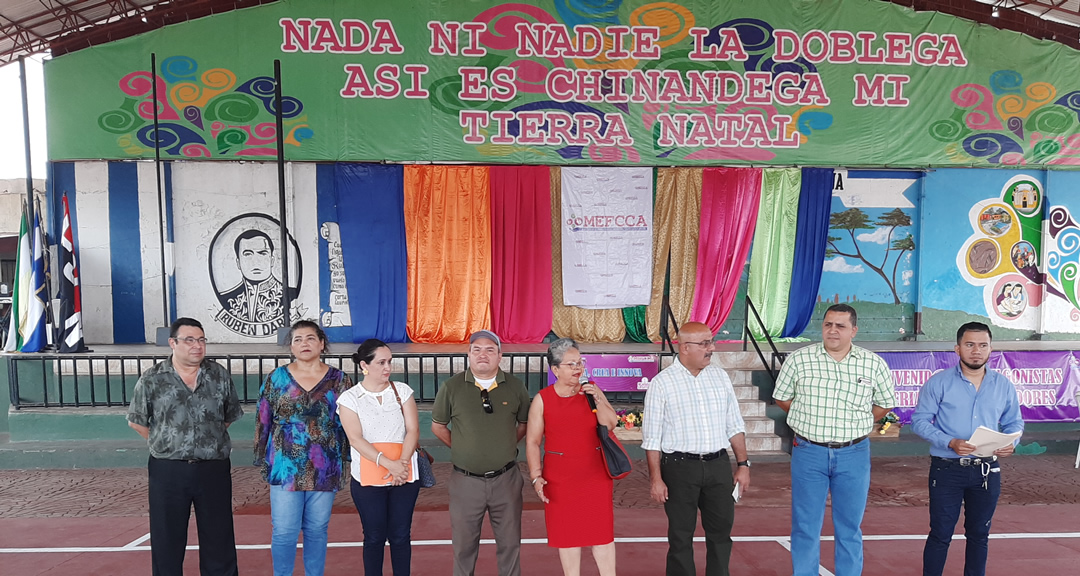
point(300, 445)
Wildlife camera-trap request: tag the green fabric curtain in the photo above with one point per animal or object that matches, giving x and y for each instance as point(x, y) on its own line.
point(634, 317)
point(774, 249)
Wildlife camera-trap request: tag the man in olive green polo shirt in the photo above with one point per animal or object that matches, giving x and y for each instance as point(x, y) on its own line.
point(480, 414)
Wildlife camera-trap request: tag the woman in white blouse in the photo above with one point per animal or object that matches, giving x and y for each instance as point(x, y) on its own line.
point(380, 419)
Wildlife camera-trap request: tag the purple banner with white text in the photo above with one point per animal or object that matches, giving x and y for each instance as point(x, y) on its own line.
point(620, 372)
point(1046, 381)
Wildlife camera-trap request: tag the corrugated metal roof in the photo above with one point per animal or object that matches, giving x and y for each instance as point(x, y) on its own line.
point(61, 26)
point(1061, 11)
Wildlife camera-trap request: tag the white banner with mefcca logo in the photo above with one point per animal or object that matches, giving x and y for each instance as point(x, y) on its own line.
point(607, 237)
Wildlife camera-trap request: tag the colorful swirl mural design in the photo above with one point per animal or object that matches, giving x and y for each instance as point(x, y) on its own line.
point(1008, 122)
point(202, 115)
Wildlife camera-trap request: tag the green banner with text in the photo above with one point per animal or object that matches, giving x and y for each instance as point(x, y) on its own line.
point(808, 82)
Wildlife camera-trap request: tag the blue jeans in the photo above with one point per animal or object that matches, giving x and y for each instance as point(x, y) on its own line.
point(291, 512)
point(815, 472)
point(951, 484)
point(386, 514)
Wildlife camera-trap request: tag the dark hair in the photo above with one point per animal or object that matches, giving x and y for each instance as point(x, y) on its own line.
point(174, 328)
point(973, 327)
point(845, 308)
point(314, 326)
point(366, 352)
point(248, 235)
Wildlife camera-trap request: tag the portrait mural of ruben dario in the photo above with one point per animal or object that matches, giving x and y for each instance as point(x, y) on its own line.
point(245, 273)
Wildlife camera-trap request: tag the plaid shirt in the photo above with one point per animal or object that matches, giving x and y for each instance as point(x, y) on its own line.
point(832, 401)
point(684, 413)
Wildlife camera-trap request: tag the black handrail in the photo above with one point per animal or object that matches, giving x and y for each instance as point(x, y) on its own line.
point(666, 314)
point(770, 367)
point(666, 343)
point(54, 380)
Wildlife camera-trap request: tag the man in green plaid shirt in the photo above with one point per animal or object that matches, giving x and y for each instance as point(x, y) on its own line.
point(833, 392)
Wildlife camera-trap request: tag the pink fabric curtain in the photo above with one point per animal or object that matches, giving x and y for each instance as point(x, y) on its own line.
point(729, 209)
point(521, 253)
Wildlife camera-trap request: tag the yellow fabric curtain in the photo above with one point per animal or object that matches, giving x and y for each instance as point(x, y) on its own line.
point(570, 321)
point(448, 232)
point(676, 223)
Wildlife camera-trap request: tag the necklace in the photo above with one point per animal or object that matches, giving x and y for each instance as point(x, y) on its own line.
point(570, 395)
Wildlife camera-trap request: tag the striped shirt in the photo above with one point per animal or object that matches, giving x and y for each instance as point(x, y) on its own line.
point(687, 413)
point(833, 401)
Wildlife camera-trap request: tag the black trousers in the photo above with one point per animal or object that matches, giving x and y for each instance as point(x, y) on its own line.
point(174, 485)
point(694, 485)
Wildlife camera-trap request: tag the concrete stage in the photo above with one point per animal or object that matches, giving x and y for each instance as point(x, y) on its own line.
point(341, 348)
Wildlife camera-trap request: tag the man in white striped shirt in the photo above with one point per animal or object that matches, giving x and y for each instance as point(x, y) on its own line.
point(691, 420)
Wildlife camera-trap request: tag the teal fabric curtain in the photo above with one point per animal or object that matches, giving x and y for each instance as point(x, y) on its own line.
point(773, 255)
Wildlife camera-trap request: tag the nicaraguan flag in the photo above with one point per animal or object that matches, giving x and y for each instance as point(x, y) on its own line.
point(33, 331)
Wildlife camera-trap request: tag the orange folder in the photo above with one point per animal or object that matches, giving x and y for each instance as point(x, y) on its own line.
point(372, 475)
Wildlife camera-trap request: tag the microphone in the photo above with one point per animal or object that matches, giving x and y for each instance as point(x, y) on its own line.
point(584, 379)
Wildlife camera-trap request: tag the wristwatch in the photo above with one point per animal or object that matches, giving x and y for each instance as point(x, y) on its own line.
point(743, 463)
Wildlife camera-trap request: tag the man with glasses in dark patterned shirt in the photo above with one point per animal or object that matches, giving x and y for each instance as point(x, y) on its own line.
point(183, 407)
point(480, 414)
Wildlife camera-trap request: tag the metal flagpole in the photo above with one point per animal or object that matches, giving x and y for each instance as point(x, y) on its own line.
point(162, 336)
point(286, 297)
point(26, 140)
point(31, 206)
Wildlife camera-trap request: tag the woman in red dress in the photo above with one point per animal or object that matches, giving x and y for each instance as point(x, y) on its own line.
point(571, 479)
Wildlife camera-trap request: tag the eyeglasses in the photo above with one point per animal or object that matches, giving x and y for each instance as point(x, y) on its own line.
point(191, 341)
point(703, 343)
point(578, 364)
point(486, 399)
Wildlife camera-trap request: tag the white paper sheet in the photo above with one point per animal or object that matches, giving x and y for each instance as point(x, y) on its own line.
point(987, 440)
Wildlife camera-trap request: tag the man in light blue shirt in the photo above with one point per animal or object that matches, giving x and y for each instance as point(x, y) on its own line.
point(952, 404)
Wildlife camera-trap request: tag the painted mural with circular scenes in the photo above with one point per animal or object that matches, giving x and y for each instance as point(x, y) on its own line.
point(995, 221)
point(245, 272)
point(983, 256)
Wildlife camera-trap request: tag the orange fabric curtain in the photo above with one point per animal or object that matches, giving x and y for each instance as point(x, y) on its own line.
point(570, 321)
point(448, 233)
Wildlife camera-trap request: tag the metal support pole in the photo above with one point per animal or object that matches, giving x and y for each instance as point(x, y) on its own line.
point(286, 297)
point(160, 202)
point(26, 141)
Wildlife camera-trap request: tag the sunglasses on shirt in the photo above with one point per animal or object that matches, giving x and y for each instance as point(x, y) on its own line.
point(486, 399)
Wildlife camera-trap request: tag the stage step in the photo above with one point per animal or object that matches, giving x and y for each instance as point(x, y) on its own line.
point(759, 425)
point(752, 408)
point(764, 443)
point(761, 437)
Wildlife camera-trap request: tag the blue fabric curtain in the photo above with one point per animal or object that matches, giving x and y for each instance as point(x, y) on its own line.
point(371, 216)
point(815, 205)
